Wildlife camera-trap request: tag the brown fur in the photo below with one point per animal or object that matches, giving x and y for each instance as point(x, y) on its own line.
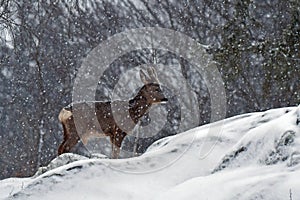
point(114, 119)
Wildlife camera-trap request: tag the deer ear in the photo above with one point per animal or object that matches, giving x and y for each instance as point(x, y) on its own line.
point(143, 77)
point(152, 73)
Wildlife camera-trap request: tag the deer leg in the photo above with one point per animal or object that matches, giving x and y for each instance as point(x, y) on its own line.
point(71, 137)
point(116, 142)
point(115, 152)
point(68, 144)
point(61, 148)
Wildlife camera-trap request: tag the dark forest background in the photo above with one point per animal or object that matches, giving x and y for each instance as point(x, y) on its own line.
point(256, 44)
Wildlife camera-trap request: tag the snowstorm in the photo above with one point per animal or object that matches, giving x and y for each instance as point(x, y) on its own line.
point(91, 89)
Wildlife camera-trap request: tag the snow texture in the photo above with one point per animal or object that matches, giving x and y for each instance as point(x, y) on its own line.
point(256, 156)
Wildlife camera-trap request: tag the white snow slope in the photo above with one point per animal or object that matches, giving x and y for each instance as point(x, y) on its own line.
point(256, 156)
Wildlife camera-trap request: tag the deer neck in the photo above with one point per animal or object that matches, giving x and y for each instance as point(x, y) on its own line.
point(138, 106)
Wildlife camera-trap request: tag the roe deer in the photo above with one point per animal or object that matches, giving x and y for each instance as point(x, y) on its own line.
point(96, 119)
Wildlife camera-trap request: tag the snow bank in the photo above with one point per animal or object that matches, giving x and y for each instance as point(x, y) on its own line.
point(256, 156)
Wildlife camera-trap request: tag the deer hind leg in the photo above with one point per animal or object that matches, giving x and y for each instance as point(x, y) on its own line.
point(68, 144)
point(116, 142)
point(71, 137)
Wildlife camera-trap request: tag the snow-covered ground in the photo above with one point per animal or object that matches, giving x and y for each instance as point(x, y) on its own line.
point(256, 156)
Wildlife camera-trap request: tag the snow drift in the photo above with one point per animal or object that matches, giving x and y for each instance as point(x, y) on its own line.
point(256, 156)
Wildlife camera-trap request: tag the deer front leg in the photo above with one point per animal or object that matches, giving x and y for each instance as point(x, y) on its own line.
point(116, 142)
point(115, 151)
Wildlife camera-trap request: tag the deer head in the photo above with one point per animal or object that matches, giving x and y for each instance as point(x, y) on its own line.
point(151, 89)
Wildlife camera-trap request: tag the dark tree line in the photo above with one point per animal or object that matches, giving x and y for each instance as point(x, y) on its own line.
point(255, 43)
